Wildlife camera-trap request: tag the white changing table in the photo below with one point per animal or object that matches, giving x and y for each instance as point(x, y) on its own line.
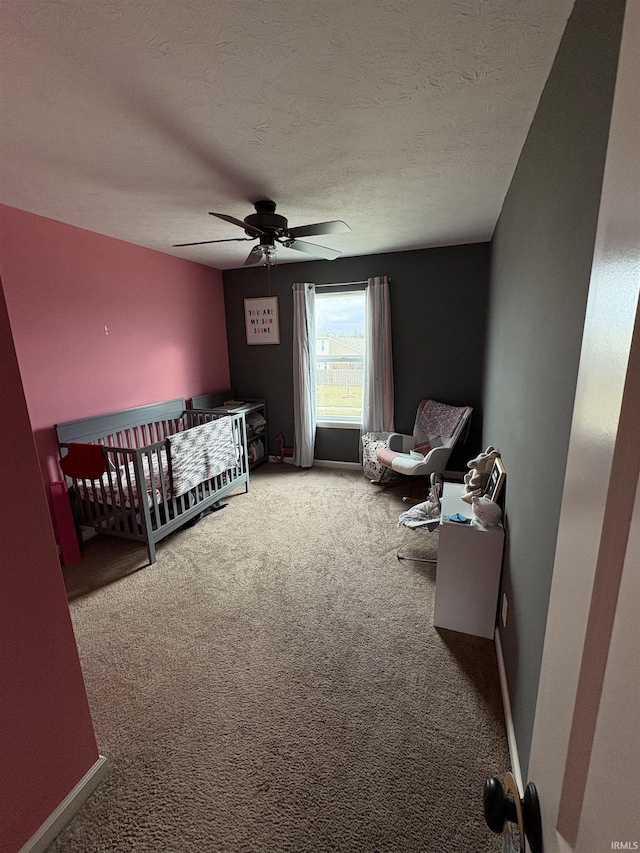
point(468, 569)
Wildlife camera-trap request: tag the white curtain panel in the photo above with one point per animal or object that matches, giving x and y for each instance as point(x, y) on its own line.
point(304, 374)
point(377, 404)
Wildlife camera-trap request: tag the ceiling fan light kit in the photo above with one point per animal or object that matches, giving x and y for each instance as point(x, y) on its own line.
point(270, 228)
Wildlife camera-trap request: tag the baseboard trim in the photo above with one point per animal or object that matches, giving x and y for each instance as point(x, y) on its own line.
point(322, 463)
point(456, 476)
point(508, 717)
point(67, 809)
point(327, 463)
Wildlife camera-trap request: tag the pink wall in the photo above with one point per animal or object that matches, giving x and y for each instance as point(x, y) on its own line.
point(63, 285)
point(47, 742)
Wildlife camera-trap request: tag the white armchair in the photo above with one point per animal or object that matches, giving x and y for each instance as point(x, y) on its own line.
point(437, 428)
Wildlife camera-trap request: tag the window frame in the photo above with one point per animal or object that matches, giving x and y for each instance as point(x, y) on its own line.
point(334, 289)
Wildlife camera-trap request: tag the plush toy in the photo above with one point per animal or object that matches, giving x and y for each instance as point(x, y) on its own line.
point(284, 451)
point(486, 512)
point(478, 475)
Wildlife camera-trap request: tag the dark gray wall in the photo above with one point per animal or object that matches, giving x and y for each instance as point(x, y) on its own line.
point(541, 262)
point(438, 315)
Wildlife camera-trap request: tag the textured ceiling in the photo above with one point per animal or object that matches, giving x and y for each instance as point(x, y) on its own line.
point(405, 118)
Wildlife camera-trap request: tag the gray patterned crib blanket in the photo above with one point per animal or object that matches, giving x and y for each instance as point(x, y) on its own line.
point(200, 453)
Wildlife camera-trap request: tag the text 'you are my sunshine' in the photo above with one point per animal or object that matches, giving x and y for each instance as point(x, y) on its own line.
point(261, 320)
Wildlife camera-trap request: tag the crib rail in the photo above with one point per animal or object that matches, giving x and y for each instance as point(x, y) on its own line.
point(138, 425)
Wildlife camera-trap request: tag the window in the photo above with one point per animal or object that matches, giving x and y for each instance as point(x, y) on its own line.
point(340, 347)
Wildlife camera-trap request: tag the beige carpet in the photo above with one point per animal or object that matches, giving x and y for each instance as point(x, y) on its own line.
point(274, 683)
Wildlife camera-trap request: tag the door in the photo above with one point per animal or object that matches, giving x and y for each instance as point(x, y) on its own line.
point(585, 754)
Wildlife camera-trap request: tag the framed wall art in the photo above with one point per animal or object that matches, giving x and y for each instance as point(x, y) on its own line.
point(261, 320)
point(496, 480)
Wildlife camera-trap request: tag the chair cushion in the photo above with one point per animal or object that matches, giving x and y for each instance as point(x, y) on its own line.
point(425, 446)
point(401, 463)
point(387, 456)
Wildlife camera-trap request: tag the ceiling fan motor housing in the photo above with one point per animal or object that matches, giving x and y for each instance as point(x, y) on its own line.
point(266, 219)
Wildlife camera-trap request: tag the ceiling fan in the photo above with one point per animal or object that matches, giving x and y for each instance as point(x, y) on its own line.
point(271, 228)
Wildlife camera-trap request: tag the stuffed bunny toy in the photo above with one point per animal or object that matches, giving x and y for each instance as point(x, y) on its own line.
point(486, 512)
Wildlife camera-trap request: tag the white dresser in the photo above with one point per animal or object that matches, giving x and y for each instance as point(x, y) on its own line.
point(468, 570)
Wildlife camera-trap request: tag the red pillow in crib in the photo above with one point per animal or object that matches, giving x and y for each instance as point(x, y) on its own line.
point(84, 461)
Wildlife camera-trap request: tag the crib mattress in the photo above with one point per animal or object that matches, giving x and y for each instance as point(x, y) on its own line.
point(119, 487)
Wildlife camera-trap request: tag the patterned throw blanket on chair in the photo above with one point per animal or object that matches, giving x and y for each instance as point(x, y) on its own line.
point(438, 419)
point(200, 453)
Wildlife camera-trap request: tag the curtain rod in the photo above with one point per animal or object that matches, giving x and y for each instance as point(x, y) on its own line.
point(342, 283)
point(339, 284)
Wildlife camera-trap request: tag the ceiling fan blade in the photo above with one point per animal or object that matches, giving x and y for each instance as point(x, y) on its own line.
point(257, 232)
point(335, 227)
point(312, 249)
point(254, 256)
point(202, 242)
